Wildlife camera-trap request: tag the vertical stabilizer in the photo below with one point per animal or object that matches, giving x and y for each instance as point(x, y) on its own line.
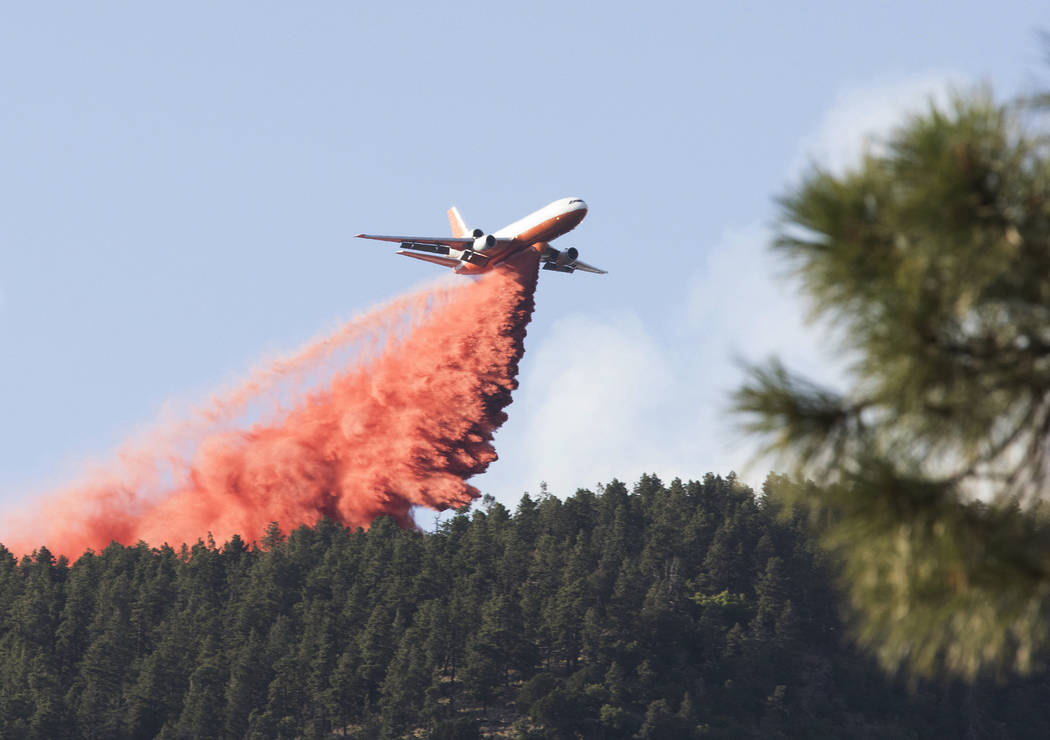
point(459, 228)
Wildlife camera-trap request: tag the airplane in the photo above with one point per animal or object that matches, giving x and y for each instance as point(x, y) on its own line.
point(474, 252)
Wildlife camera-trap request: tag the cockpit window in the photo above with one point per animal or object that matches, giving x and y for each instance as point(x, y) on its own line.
point(576, 200)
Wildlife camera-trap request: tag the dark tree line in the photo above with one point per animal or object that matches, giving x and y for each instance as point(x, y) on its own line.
point(692, 609)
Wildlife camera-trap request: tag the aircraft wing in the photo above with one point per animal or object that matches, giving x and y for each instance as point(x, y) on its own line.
point(410, 242)
point(573, 267)
point(437, 244)
point(589, 268)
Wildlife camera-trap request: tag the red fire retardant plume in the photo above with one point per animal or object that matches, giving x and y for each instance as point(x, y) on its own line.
point(405, 422)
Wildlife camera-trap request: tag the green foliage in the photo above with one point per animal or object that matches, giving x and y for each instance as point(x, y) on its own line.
point(595, 616)
point(931, 259)
point(461, 728)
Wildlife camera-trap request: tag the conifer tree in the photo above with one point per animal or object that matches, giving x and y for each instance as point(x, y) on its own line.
point(404, 686)
point(202, 713)
point(929, 472)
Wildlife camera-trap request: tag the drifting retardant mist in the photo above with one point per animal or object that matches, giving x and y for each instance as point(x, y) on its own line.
point(405, 422)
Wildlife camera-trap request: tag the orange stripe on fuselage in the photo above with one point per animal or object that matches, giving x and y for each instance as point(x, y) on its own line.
point(543, 232)
point(552, 228)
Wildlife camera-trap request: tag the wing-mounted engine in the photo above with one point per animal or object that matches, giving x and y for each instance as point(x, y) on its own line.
point(474, 253)
point(482, 240)
point(567, 258)
point(560, 260)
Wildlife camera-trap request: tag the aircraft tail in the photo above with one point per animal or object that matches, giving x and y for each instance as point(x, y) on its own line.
point(459, 227)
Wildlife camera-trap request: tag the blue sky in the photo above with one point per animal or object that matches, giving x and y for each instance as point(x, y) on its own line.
point(180, 184)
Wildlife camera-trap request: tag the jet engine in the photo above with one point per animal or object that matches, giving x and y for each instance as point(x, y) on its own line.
point(567, 257)
point(482, 240)
point(559, 261)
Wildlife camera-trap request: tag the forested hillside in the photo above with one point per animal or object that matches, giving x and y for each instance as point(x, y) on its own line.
point(665, 611)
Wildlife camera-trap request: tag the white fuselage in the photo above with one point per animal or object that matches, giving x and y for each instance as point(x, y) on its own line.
point(547, 223)
point(532, 232)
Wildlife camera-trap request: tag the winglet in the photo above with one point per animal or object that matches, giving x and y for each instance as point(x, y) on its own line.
point(459, 228)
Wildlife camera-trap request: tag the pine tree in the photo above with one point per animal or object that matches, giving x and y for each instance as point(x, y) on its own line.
point(202, 713)
point(929, 473)
point(246, 688)
point(404, 686)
